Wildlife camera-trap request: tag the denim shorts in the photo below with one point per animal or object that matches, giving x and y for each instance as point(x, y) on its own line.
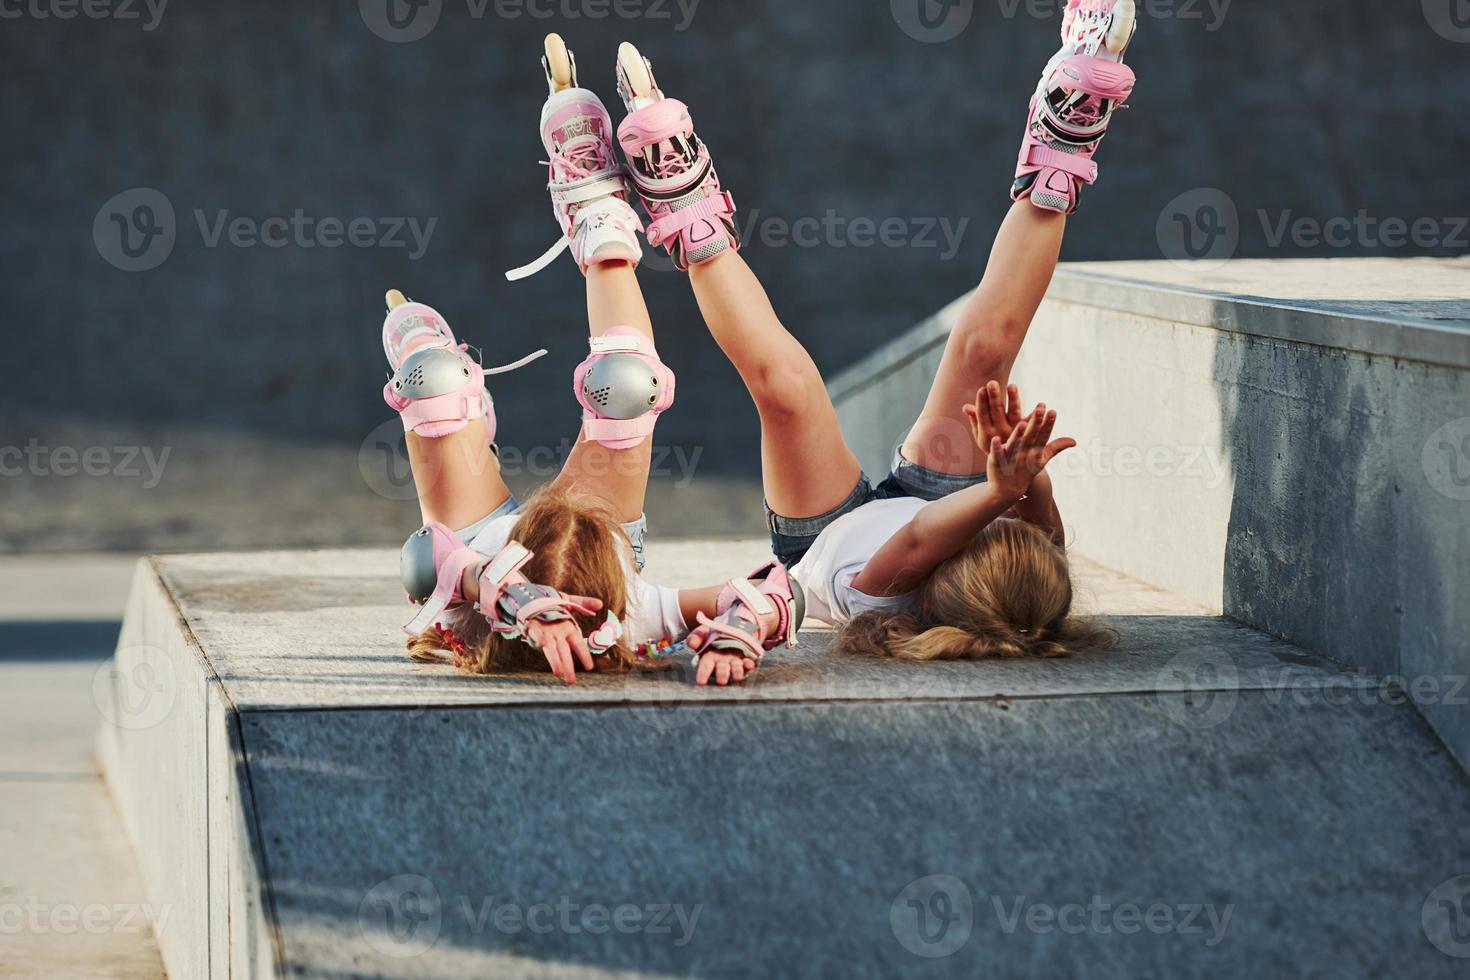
point(793, 537)
point(635, 530)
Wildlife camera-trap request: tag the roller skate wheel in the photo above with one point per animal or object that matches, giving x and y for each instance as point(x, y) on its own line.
point(561, 73)
point(395, 299)
point(634, 69)
point(1120, 31)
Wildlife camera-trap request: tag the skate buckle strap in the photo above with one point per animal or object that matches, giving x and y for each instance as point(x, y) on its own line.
point(728, 634)
point(590, 188)
point(620, 343)
point(1040, 155)
point(714, 206)
point(759, 603)
point(767, 614)
point(595, 187)
point(547, 257)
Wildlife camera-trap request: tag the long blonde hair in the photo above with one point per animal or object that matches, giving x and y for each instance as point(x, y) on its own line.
point(1009, 594)
point(580, 549)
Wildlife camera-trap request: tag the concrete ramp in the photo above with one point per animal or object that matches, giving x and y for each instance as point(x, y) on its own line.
point(1202, 801)
point(1285, 441)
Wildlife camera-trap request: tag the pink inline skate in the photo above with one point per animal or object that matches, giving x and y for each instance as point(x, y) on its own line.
point(1080, 89)
point(671, 169)
point(435, 385)
point(589, 191)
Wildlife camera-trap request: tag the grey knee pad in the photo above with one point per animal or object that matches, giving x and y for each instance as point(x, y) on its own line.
point(431, 372)
point(798, 606)
point(416, 566)
point(621, 386)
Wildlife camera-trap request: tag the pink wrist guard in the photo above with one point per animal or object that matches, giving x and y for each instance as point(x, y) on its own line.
point(511, 602)
point(754, 618)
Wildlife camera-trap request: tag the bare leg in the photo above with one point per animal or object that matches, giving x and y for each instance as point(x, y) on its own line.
point(807, 466)
point(458, 477)
point(619, 476)
point(987, 338)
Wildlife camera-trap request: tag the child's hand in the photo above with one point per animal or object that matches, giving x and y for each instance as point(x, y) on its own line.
point(1020, 458)
point(994, 414)
point(724, 667)
point(561, 642)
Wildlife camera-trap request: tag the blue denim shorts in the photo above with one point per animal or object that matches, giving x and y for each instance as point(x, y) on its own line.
point(635, 530)
point(793, 537)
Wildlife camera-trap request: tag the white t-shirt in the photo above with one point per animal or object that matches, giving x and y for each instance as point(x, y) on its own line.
point(653, 611)
point(840, 553)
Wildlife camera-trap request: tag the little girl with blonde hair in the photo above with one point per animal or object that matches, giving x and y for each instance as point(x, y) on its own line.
point(959, 552)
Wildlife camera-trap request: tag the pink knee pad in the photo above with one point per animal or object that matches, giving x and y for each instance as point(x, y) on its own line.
point(623, 388)
point(436, 386)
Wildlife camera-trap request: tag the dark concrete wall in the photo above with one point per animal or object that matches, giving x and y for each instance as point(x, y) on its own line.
point(1320, 107)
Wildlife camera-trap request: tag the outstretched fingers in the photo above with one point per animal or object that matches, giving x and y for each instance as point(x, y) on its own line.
point(583, 653)
point(1045, 429)
point(706, 668)
point(723, 668)
point(1013, 403)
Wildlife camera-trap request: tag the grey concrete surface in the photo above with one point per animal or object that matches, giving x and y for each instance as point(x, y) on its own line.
point(320, 630)
point(794, 831)
point(1405, 309)
point(382, 819)
point(72, 903)
point(1317, 492)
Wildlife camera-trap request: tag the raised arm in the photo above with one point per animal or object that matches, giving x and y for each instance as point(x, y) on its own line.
point(993, 414)
point(946, 527)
